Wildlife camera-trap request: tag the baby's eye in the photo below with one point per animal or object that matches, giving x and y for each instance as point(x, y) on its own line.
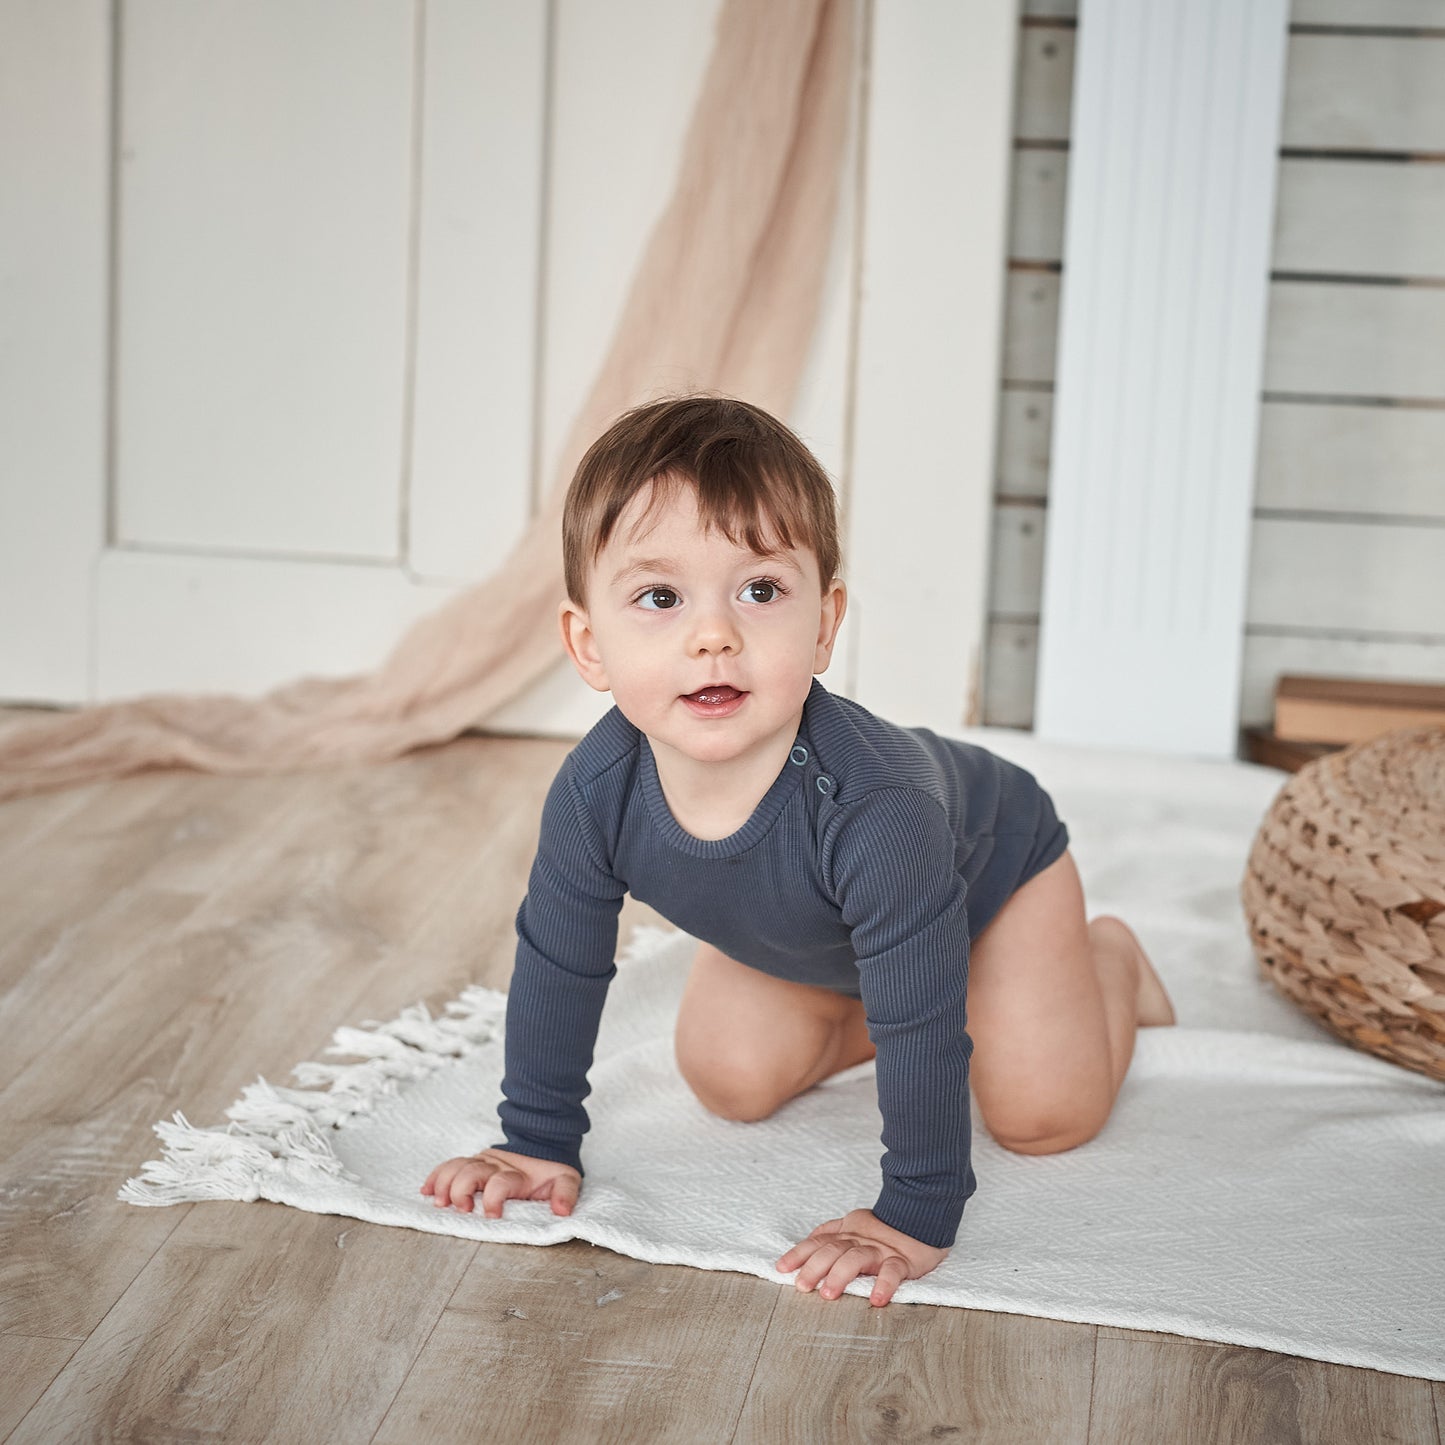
point(668, 596)
point(764, 589)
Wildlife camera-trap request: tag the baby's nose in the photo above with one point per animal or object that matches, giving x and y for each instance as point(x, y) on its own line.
point(714, 629)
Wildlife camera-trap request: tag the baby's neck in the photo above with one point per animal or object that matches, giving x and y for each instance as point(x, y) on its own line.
point(714, 800)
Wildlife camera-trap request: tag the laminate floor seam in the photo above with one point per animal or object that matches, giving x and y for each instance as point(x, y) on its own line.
point(763, 1333)
point(422, 1348)
point(1093, 1376)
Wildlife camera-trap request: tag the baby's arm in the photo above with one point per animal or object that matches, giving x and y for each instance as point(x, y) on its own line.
point(906, 905)
point(894, 873)
point(566, 946)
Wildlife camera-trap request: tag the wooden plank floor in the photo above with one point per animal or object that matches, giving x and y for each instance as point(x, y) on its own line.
point(168, 937)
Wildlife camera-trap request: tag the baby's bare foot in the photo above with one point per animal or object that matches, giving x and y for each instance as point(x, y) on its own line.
point(1155, 1008)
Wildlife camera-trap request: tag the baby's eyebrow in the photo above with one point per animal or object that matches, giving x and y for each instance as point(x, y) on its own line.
point(645, 564)
point(667, 564)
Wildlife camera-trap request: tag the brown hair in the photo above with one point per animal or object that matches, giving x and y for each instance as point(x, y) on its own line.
point(751, 473)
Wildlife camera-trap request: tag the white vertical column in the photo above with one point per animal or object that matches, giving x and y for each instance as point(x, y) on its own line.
point(1173, 148)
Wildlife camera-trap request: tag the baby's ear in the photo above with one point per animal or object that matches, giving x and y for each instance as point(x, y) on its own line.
point(581, 644)
point(835, 604)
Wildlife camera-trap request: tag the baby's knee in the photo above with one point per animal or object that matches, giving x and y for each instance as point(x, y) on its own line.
point(747, 1077)
point(734, 1081)
point(1047, 1138)
point(732, 1098)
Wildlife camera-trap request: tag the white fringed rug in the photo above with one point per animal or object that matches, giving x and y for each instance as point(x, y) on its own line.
point(1259, 1182)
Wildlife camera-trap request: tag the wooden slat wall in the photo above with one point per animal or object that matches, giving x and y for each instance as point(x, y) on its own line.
point(1348, 542)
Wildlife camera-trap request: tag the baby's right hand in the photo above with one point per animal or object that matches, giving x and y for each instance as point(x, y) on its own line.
point(500, 1174)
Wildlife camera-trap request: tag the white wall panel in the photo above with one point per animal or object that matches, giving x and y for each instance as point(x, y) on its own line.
point(243, 624)
point(1017, 559)
point(1025, 419)
point(1353, 459)
point(1336, 217)
point(1045, 83)
point(1358, 13)
point(1173, 140)
point(1342, 339)
point(1361, 218)
point(931, 288)
point(1427, 13)
point(479, 232)
point(820, 412)
point(626, 76)
point(1036, 205)
point(54, 201)
point(1031, 331)
point(1369, 93)
point(265, 198)
point(1347, 576)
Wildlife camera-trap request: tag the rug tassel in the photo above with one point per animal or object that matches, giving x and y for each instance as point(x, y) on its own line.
point(280, 1132)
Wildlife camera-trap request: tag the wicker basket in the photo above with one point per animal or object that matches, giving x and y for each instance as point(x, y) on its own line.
point(1344, 894)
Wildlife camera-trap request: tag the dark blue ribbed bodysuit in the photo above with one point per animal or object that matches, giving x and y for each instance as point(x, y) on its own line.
point(866, 867)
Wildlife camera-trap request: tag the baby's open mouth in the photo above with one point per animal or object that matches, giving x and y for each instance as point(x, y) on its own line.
point(724, 693)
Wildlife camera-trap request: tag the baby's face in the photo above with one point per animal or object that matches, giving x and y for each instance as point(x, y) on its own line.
point(705, 647)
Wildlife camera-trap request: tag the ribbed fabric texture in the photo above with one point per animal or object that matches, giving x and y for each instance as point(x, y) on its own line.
point(863, 869)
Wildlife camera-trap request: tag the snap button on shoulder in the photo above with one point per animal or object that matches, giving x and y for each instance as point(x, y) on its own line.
point(825, 784)
point(799, 755)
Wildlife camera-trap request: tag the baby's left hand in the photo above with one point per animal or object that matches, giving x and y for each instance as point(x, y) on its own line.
point(839, 1250)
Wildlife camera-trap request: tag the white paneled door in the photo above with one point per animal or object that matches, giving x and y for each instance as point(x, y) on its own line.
point(326, 269)
point(270, 445)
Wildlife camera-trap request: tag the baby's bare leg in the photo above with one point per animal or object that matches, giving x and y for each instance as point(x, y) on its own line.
point(747, 1042)
point(1054, 1002)
point(1155, 1006)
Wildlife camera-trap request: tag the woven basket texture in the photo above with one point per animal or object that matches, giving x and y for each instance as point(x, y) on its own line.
point(1344, 893)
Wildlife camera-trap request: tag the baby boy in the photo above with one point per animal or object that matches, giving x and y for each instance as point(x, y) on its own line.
point(860, 890)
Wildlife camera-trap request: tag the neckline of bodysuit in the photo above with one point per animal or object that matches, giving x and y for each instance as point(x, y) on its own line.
point(763, 817)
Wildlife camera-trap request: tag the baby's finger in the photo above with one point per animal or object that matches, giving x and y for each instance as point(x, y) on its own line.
point(440, 1180)
point(846, 1268)
point(464, 1182)
point(441, 1176)
point(891, 1273)
point(818, 1265)
point(564, 1194)
point(803, 1249)
point(503, 1185)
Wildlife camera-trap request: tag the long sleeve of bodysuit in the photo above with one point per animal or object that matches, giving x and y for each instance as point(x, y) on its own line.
point(566, 949)
point(895, 879)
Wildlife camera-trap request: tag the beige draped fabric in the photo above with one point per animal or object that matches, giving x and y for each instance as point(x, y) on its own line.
point(725, 299)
